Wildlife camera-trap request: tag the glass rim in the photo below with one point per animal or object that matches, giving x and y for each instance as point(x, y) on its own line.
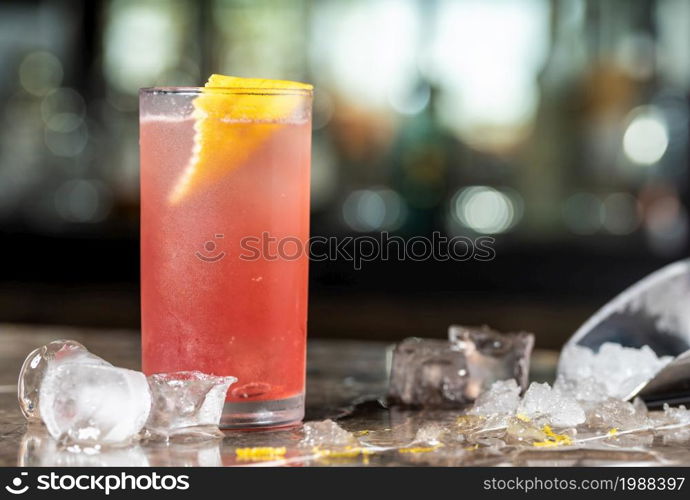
point(190, 90)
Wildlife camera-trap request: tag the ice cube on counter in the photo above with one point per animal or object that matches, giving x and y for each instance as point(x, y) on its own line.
point(188, 402)
point(619, 371)
point(522, 430)
point(84, 400)
point(93, 403)
point(494, 356)
point(454, 372)
point(617, 414)
point(428, 372)
point(326, 433)
point(430, 434)
point(37, 363)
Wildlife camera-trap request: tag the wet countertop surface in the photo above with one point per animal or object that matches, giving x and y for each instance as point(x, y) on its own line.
point(346, 381)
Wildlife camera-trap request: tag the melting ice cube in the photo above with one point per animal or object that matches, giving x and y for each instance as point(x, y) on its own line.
point(37, 363)
point(430, 434)
point(428, 372)
point(326, 433)
point(492, 355)
point(454, 372)
point(93, 403)
point(616, 413)
point(521, 430)
point(84, 400)
point(188, 403)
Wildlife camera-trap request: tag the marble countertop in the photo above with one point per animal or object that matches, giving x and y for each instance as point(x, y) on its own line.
point(345, 380)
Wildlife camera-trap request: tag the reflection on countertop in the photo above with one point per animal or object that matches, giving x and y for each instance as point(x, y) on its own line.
point(346, 379)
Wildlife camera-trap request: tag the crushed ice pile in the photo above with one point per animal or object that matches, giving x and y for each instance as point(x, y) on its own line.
point(591, 391)
point(588, 405)
point(585, 408)
point(454, 372)
point(618, 428)
point(84, 400)
point(614, 371)
point(540, 402)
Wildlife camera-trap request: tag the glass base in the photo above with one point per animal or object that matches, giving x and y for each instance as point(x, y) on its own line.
point(257, 414)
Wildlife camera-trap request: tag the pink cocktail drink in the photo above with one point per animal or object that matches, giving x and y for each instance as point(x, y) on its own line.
point(224, 256)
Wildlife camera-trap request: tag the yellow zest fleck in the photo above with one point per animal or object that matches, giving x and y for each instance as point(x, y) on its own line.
point(260, 453)
point(346, 452)
point(361, 433)
point(472, 448)
point(419, 449)
point(523, 417)
point(553, 439)
point(613, 431)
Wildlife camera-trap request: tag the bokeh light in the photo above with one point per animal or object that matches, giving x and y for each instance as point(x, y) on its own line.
point(141, 42)
point(367, 49)
point(63, 110)
point(487, 56)
point(40, 72)
point(82, 200)
point(69, 142)
point(411, 102)
point(484, 209)
point(373, 209)
point(646, 137)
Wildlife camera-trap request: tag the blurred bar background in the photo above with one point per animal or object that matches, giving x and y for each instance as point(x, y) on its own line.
point(559, 128)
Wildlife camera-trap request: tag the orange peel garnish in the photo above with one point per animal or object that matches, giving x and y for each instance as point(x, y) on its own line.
point(222, 140)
